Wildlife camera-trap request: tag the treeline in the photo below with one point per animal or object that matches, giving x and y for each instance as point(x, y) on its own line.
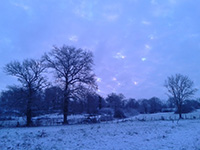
point(50, 100)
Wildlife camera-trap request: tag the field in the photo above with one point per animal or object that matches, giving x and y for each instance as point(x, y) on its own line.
point(129, 134)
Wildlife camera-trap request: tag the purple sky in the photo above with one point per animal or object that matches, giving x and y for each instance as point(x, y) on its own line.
point(136, 43)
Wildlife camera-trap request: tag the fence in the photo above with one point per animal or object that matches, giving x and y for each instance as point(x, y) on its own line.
point(87, 119)
point(46, 121)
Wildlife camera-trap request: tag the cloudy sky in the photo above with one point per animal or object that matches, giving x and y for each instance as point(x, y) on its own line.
point(136, 43)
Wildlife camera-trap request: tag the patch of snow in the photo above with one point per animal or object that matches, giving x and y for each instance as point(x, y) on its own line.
point(147, 135)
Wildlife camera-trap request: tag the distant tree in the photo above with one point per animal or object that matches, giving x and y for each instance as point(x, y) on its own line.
point(92, 102)
point(119, 114)
point(132, 103)
point(86, 102)
point(180, 88)
point(155, 105)
point(30, 74)
point(189, 106)
point(100, 101)
point(115, 100)
point(73, 69)
point(144, 106)
point(53, 97)
point(12, 100)
point(171, 102)
point(77, 106)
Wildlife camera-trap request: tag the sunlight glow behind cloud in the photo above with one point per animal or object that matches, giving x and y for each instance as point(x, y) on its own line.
point(143, 59)
point(73, 38)
point(119, 56)
point(114, 79)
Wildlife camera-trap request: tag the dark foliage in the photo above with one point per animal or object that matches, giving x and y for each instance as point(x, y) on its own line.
point(119, 114)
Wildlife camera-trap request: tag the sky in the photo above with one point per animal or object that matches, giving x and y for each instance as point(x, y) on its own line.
point(136, 44)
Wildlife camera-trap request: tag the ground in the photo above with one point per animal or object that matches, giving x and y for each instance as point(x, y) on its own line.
point(117, 135)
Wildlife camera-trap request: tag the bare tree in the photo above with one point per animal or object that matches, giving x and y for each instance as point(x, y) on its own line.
point(180, 88)
point(73, 69)
point(29, 73)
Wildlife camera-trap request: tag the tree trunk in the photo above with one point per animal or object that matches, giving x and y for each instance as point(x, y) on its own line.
point(65, 110)
point(28, 116)
point(29, 111)
point(180, 111)
point(180, 115)
point(100, 102)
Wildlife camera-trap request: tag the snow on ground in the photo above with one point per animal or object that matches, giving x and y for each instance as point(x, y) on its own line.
point(167, 116)
point(48, 119)
point(56, 118)
point(127, 135)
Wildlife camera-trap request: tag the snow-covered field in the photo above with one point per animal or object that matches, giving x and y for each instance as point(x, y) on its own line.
point(56, 119)
point(43, 120)
point(127, 135)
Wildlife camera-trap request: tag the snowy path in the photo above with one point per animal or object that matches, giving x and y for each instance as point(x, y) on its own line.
point(135, 135)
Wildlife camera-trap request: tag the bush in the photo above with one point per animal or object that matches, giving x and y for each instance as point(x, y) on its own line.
point(185, 109)
point(168, 110)
point(189, 106)
point(130, 112)
point(106, 111)
point(106, 117)
point(119, 114)
point(91, 119)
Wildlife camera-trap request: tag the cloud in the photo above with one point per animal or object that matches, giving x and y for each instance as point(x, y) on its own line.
point(114, 79)
point(194, 35)
point(166, 10)
point(85, 10)
point(154, 2)
point(111, 17)
point(83, 13)
point(146, 22)
point(119, 56)
point(92, 46)
point(73, 38)
point(5, 40)
point(147, 46)
point(151, 37)
point(145, 51)
point(111, 88)
point(172, 2)
point(112, 12)
point(20, 5)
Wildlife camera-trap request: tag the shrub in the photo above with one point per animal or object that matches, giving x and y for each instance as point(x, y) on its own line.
point(129, 112)
point(106, 111)
point(188, 106)
point(119, 114)
point(106, 117)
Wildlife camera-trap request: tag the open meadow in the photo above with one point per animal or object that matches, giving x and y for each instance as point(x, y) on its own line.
point(129, 134)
